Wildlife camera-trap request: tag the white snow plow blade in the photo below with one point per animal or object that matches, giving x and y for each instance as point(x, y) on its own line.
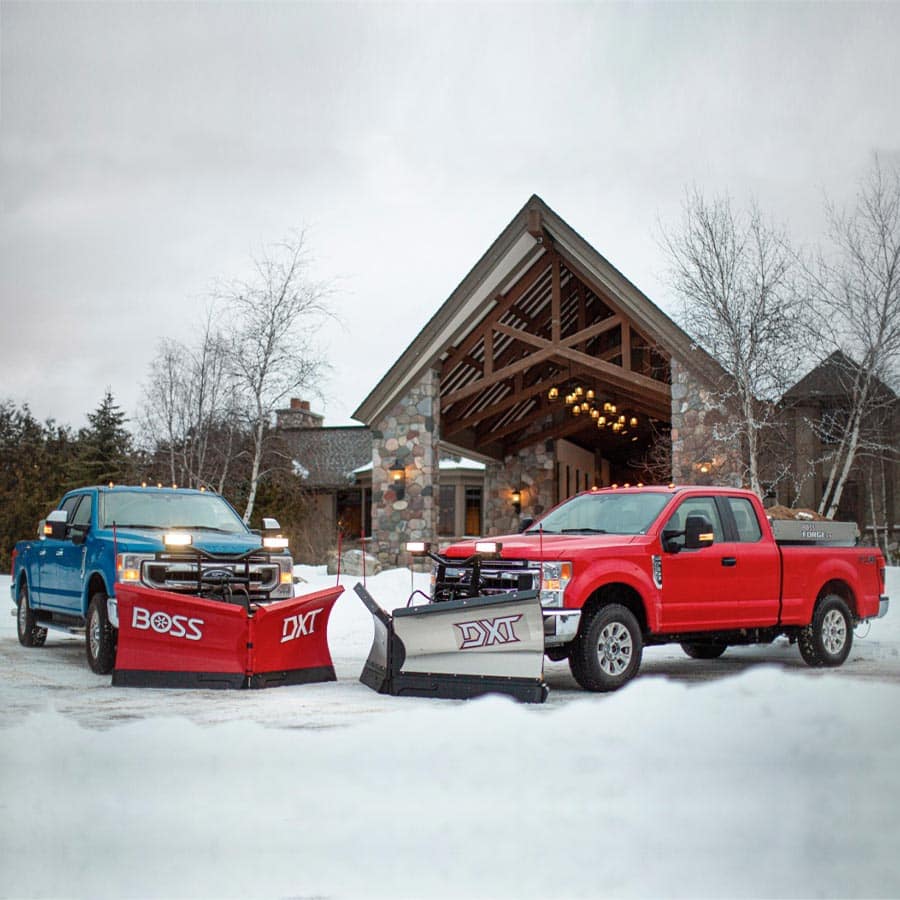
point(458, 649)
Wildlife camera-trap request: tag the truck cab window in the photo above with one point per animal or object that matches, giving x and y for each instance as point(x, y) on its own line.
point(745, 520)
point(82, 515)
point(693, 506)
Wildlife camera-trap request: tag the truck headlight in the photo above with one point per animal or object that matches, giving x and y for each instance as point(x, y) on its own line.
point(128, 566)
point(555, 576)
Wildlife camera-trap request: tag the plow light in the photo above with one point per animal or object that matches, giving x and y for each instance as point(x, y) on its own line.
point(275, 543)
point(417, 548)
point(488, 548)
point(177, 539)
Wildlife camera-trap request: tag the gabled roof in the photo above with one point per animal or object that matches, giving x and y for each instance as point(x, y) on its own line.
point(534, 231)
point(831, 379)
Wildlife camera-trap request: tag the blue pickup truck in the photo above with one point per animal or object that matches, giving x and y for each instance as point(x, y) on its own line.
point(171, 539)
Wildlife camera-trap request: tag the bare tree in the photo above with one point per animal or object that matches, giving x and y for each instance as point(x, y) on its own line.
point(273, 318)
point(734, 274)
point(859, 288)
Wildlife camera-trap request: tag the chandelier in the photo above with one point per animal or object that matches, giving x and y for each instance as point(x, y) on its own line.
point(583, 401)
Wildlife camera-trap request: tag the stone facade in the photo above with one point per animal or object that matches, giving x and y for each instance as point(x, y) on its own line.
point(701, 451)
point(533, 472)
point(406, 435)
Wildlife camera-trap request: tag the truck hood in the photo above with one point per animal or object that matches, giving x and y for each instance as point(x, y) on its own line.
point(139, 540)
point(554, 546)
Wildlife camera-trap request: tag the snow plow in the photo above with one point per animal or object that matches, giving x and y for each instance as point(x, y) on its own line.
point(168, 639)
point(458, 649)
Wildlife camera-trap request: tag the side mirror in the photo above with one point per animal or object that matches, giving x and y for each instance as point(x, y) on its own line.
point(526, 522)
point(698, 532)
point(270, 525)
point(55, 524)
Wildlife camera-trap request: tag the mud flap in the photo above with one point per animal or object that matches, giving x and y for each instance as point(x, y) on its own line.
point(173, 640)
point(458, 649)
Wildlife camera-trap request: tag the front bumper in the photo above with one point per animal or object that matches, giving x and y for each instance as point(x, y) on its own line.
point(883, 603)
point(560, 626)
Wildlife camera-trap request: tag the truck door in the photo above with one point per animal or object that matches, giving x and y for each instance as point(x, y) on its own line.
point(48, 552)
point(64, 586)
point(734, 583)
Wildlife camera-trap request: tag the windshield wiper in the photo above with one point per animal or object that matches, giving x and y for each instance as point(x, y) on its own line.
point(539, 530)
point(584, 531)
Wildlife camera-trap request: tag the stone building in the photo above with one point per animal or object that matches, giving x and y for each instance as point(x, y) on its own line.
point(553, 370)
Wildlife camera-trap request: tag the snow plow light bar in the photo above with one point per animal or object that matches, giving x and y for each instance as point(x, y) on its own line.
point(177, 539)
point(458, 649)
point(488, 548)
point(418, 548)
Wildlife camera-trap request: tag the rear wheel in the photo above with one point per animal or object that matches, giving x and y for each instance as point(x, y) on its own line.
point(100, 638)
point(30, 633)
point(704, 651)
point(827, 640)
point(607, 654)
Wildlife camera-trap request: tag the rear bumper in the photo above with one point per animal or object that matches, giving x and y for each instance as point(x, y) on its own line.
point(560, 626)
point(883, 603)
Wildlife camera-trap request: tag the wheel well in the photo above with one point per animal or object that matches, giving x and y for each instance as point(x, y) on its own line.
point(622, 594)
point(842, 589)
point(95, 585)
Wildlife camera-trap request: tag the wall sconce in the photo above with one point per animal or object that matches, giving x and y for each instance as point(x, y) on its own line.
point(398, 478)
point(516, 498)
point(704, 466)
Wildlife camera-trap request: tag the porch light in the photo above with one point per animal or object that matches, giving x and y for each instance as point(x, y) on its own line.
point(516, 498)
point(398, 478)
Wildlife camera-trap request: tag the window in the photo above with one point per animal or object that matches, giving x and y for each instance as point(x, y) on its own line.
point(447, 509)
point(473, 510)
point(745, 519)
point(83, 513)
point(695, 506)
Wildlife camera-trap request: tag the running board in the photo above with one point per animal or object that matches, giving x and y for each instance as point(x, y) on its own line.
point(458, 649)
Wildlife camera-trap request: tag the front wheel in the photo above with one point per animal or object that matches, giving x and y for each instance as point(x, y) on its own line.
point(100, 637)
point(607, 654)
point(704, 651)
point(30, 633)
point(827, 640)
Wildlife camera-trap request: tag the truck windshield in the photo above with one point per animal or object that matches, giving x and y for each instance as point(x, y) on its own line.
point(623, 513)
point(147, 509)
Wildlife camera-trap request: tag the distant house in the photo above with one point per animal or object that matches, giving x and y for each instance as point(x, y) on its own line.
point(815, 409)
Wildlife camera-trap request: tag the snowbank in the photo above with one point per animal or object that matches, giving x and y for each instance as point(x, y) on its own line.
point(777, 782)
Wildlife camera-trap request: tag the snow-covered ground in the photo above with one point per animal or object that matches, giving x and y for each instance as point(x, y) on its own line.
point(751, 776)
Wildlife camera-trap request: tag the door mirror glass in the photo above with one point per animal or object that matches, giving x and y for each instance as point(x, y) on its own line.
point(698, 532)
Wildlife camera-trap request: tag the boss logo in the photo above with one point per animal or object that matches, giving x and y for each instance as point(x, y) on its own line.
point(487, 632)
point(162, 623)
point(297, 626)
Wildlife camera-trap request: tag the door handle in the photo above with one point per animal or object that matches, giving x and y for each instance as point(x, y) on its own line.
point(729, 561)
point(59, 553)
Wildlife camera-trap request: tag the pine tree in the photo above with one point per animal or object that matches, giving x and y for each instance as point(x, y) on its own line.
point(105, 447)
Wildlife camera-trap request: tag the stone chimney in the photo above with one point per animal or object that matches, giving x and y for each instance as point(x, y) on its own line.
point(299, 415)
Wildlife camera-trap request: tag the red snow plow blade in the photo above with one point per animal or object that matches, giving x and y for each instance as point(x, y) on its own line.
point(172, 640)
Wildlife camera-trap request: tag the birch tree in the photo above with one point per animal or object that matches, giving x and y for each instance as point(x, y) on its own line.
point(274, 317)
point(735, 276)
point(858, 284)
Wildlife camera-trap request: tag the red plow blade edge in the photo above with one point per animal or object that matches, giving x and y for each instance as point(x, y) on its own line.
point(173, 640)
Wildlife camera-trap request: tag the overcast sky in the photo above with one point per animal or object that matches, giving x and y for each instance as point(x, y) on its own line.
point(149, 150)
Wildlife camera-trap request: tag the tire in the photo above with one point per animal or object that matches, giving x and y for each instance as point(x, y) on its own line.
point(607, 653)
point(30, 633)
point(704, 651)
point(100, 636)
point(828, 639)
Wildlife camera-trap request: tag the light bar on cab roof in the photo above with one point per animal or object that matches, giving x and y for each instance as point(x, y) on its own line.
point(275, 543)
point(177, 539)
point(417, 548)
point(488, 548)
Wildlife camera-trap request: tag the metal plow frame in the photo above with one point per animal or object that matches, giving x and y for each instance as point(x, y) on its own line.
point(458, 649)
point(171, 640)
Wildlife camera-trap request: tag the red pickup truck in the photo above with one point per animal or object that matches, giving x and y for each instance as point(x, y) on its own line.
point(619, 569)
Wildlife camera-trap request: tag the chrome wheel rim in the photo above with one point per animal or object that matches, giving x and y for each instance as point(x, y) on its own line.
point(615, 648)
point(94, 634)
point(23, 613)
point(834, 632)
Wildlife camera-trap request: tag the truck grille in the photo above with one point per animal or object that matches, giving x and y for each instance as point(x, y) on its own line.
point(500, 576)
point(181, 576)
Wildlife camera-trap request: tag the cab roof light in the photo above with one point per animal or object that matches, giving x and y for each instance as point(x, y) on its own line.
point(177, 539)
